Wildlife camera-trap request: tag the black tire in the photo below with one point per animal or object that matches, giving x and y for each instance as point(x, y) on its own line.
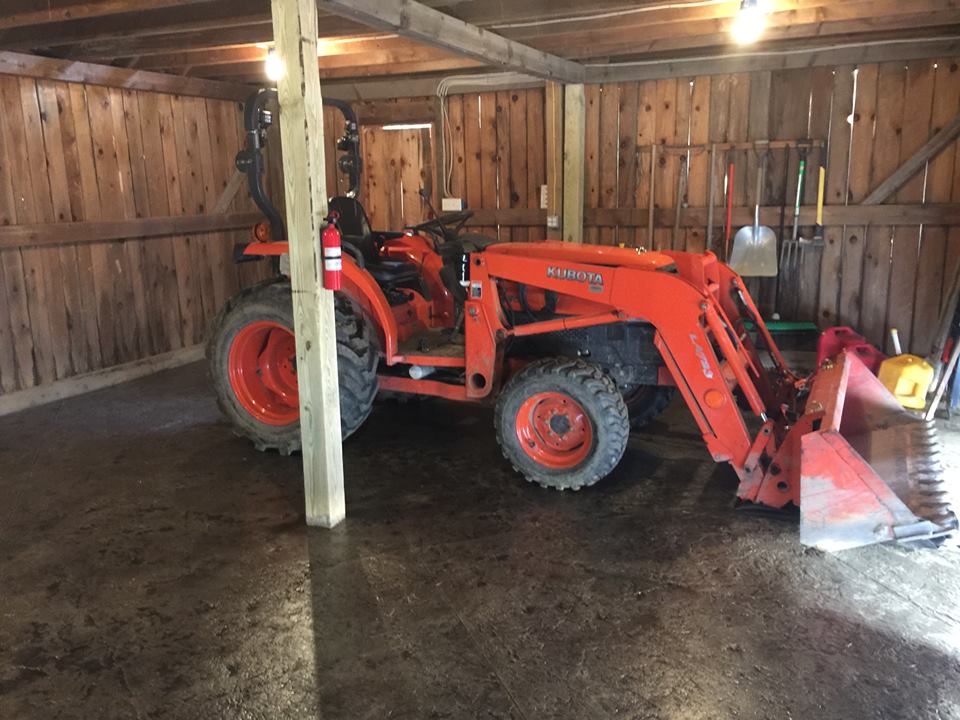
point(599, 398)
point(357, 360)
point(646, 402)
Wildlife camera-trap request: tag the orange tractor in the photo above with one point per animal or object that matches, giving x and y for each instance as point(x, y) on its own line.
point(574, 344)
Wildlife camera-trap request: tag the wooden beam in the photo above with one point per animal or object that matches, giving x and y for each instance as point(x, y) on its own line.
point(237, 181)
point(49, 234)
point(56, 12)
point(686, 67)
point(209, 17)
point(553, 126)
point(706, 25)
point(385, 112)
point(301, 133)
point(692, 217)
point(429, 26)
point(856, 53)
point(247, 34)
point(97, 380)
point(12, 63)
point(574, 128)
point(912, 166)
point(343, 68)
point(334, 53)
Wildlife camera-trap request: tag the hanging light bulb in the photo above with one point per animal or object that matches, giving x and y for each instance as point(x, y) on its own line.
point(749, 23)
point(273, 65)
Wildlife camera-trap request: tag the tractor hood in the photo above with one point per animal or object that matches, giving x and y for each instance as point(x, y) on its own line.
point(555, 250)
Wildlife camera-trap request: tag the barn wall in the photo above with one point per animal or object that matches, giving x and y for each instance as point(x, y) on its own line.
point(869, 277)
point(73, 153)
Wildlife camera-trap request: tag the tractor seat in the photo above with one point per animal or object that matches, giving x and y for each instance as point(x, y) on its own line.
point(356, 232)
point(393, 273)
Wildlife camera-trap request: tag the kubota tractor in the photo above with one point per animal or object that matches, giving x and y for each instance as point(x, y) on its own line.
point(570, 344)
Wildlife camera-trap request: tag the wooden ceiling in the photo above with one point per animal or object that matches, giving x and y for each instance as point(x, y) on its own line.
point(228, 39)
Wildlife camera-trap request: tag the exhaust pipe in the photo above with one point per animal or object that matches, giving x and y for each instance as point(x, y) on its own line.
point(419, 372)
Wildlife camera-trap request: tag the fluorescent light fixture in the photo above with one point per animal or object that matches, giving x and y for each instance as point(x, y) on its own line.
point(408, 126)
point(273, 65)
point(749, 23)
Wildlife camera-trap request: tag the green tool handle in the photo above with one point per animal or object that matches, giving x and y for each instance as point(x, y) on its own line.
point(796, 205)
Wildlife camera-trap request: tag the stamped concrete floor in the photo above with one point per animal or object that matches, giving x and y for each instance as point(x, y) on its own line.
point(153, 566)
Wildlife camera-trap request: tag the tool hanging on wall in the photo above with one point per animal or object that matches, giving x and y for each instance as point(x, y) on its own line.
point(711, 196)
point(651, 205)
point(821, 184)
point(944, 325)
point(731, 173)
point(675, 242)
point(755, 248)
point(817, 240)
point(790, 250)
point(784, 204)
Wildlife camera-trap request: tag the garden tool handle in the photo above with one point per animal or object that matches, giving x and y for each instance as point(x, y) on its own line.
point(796, 204)
point(756, 207)
point(731, 169)
point(823, 180)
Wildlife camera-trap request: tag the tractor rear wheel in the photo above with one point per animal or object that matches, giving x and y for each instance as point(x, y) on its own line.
point(646, 402)
point(562, 423)
point(252, 356)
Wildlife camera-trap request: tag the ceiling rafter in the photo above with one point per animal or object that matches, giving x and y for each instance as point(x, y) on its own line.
point(432, 27)
point(218, 38)
point(21, 13)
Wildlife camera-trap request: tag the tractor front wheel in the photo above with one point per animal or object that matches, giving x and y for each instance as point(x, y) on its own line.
point(562, 423)
point(253, 365)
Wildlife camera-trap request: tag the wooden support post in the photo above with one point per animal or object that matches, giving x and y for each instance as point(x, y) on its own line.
point(553, 126)
point(574, 121)
point(301, 133)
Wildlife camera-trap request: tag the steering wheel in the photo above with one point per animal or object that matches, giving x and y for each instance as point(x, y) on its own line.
point(446, 227)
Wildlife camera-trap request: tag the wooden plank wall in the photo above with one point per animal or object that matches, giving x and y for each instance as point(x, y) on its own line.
point(497, 146)
point(869, 118)
point(71, 152)
point(396, 165)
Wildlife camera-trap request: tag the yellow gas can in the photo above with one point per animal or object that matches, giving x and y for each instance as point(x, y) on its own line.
point(908, 377)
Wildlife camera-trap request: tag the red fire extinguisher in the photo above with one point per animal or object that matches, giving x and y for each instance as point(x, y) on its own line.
point(332, 255)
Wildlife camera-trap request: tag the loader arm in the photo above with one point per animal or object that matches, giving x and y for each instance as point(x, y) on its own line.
point(836, 444)
point(694, 334)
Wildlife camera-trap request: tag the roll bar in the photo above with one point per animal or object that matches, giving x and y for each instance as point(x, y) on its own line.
point(250, 161)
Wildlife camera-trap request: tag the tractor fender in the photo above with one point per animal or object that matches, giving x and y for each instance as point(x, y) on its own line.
point(363, 289)
point(360, 286)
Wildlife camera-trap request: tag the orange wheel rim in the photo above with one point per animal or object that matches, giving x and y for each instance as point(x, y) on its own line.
point(263, 372)
point(554, 430)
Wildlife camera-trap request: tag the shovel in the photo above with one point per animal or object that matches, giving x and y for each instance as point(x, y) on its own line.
point(755, 248)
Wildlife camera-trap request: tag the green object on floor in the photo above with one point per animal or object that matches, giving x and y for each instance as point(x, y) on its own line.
point(775, 326)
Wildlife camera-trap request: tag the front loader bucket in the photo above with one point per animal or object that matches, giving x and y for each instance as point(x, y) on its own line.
point(870, 470)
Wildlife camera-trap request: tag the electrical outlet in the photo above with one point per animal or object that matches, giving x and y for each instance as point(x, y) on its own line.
point(451, 204)
point(553, 222)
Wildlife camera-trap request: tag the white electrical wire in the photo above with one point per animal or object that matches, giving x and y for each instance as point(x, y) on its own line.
point(610, 14)
point(771, 53)
point(488, 81)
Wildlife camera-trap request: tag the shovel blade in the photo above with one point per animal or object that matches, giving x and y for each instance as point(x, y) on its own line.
point(754, 256)
point(872, 472)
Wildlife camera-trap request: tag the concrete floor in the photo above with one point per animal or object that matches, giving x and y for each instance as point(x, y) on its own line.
point(153, 566)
